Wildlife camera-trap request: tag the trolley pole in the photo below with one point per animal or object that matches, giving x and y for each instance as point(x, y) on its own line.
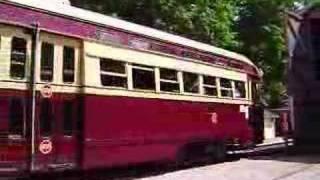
point(35, 47)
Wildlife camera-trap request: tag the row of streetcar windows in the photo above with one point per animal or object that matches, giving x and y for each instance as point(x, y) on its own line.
point(19, 61)
point(115, 74)
point(16, 116)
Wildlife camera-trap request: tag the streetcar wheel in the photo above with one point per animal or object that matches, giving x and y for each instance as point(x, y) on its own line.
point(220, 152)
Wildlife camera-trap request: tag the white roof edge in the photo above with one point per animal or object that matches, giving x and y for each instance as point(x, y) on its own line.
point(128, 26)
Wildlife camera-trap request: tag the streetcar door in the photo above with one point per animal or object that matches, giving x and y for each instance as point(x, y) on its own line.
point(15, 45)
point(57, 132)
point(57, 107)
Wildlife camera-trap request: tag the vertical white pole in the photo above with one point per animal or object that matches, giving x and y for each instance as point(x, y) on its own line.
point(129, 76)
point(249, 92)
point(233, 85)
point(218, 86)
point(180, 79)
point(33, 78)
point(201, 90)
point(157, 79)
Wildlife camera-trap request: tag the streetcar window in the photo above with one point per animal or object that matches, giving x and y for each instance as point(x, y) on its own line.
point(254, 92)
point(113, 73)
point(191, 82)
point(16, 117)
point(210, 86)
point(240, 89)
point(18, 58)
point(169, 81)
point(68, 64)
point(47, 58)
point(68, 118)
point(143, 77)
point(46, 118)
point(226, 87)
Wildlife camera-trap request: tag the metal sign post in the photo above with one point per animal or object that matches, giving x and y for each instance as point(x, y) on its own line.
point(35, 57)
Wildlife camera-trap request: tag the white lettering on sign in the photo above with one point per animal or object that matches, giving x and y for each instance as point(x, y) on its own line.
point(46, 91)
point(108, 36)
point(245, 109)
point(214, 118)
point(45, 147)
point(139, 44)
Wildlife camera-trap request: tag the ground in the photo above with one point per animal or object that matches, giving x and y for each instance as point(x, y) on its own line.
point(276, 167)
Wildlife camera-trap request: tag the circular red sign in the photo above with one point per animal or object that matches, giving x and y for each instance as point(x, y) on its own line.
point(45, 146)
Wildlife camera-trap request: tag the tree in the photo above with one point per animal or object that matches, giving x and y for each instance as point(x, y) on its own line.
point(308, 2)
point(262, 37)
point(209, 21)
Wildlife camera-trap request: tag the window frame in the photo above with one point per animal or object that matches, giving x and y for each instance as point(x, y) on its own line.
point(143, 68)
point(254, 91)
point(230, 89)
point(167, 81)
point(109, 73)
point(64, 64)
point(184, 85)
point(42, 67)
point(16, 62)
point(204, 85)
point(245, 89)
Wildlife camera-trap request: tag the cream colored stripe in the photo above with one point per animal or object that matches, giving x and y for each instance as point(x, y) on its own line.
point(125, 93)
point(166, 96)
point(18, 85)
point(61, 89)
point(23, 85)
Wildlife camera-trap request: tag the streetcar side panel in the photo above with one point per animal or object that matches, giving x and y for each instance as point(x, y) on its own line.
point(124, 125)
point(124, 130)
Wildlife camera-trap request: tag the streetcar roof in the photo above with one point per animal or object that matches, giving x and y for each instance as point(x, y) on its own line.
point(71, 11)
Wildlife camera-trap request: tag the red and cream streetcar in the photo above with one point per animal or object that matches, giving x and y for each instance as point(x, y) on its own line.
point(80, 90)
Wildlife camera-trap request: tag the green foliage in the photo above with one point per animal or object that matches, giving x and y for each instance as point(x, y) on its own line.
point(310, 2)
point(209, 21)
point(261, 32)
point(252, 27)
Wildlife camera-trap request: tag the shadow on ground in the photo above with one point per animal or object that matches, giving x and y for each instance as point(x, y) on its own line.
point(305, 155)
point(154, 169)
point(128, 173)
